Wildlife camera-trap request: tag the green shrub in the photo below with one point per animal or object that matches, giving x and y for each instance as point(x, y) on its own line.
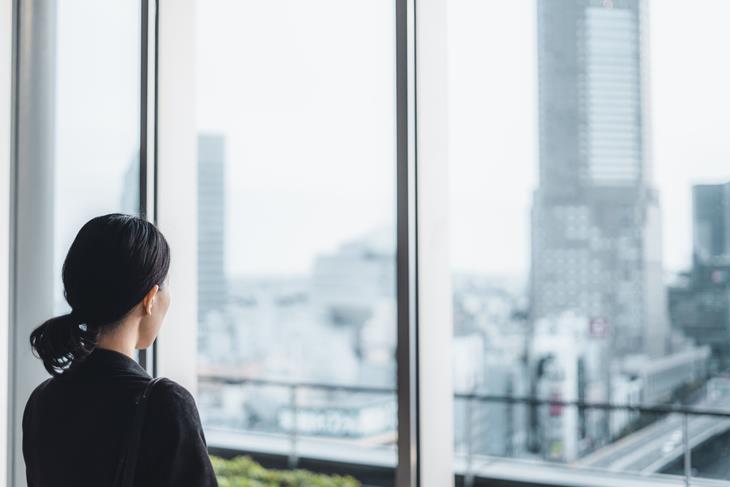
point(244, 472)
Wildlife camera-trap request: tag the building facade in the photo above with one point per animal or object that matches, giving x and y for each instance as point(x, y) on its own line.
point(596, 237)
point(211, 225)
point(711, 223)
point(699, 302)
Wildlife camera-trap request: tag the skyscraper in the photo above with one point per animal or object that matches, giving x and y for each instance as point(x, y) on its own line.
point(596, 240)
point(211, 224)
point(699, 303)
point(711, 204)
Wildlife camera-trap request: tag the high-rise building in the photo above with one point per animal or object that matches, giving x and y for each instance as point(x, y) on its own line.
point(596, 239)
point(711, 225)
point(699, 302)
point(567, 365)
point(348, 284)
point(211, 224)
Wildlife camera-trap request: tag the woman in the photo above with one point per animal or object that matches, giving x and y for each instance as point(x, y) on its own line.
point(101, 420)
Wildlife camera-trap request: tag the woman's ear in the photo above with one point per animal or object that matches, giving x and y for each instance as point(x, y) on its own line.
point(149, 299)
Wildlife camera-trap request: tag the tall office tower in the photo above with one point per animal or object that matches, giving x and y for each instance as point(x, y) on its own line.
point(699, 304)
point(596, 240)
point(711, 222)
point(211, 224)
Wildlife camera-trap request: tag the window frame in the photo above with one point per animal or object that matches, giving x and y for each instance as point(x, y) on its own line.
point(148, 136)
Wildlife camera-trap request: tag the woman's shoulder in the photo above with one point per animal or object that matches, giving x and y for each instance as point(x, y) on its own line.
point(42, 386)
point(38, 391)
point(169, 397)
point(172, 414)
point(30, 405)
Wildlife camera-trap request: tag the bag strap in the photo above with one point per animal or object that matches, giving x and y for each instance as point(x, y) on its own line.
point(124, 476)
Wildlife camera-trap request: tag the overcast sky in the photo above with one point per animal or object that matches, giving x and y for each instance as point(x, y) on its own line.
point(493, 151)
point(97, 112)
point(304, 93)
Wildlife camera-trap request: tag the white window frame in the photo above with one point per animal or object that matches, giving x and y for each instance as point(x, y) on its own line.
point(177, 177)
point(435, 315)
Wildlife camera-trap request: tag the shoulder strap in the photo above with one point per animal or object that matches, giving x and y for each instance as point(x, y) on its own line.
point(127, 466)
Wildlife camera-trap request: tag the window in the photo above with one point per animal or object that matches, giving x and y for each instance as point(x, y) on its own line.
point(296, 242)
point(96, 139)
point(587, 226)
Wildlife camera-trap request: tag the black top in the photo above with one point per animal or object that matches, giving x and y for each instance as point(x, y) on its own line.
point(75, 427)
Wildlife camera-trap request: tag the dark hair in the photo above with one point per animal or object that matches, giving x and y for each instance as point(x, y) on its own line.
point(112, 264)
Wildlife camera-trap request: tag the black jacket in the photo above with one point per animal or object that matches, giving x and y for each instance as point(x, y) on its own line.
point(74, 428)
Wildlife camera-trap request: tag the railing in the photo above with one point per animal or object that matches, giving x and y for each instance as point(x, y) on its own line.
point(670, 411)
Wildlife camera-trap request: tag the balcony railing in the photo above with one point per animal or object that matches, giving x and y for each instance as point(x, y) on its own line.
point(693, 433)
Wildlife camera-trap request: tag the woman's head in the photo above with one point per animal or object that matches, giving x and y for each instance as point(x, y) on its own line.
point(117, 265)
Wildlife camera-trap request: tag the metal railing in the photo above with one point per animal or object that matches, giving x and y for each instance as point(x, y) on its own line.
point(294, 388)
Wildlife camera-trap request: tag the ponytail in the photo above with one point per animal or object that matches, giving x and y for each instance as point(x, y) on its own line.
point(61, 342)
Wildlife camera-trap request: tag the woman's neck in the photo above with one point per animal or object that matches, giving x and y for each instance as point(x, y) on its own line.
point(122, 338)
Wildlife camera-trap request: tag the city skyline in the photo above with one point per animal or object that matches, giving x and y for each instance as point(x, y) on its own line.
point(688, 97)
point(593, 326)
point(494, 119)
point(687, 84)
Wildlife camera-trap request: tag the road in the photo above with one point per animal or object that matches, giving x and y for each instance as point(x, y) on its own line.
point(654, 447)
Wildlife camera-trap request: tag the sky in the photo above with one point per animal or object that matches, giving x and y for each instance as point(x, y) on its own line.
point(298, 66)
point(493, 141)
point(304, 94)
point(96, 112)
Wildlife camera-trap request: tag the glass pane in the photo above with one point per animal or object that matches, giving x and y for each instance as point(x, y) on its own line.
point(296, 202)
point(97, 116)
point(589, 184)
